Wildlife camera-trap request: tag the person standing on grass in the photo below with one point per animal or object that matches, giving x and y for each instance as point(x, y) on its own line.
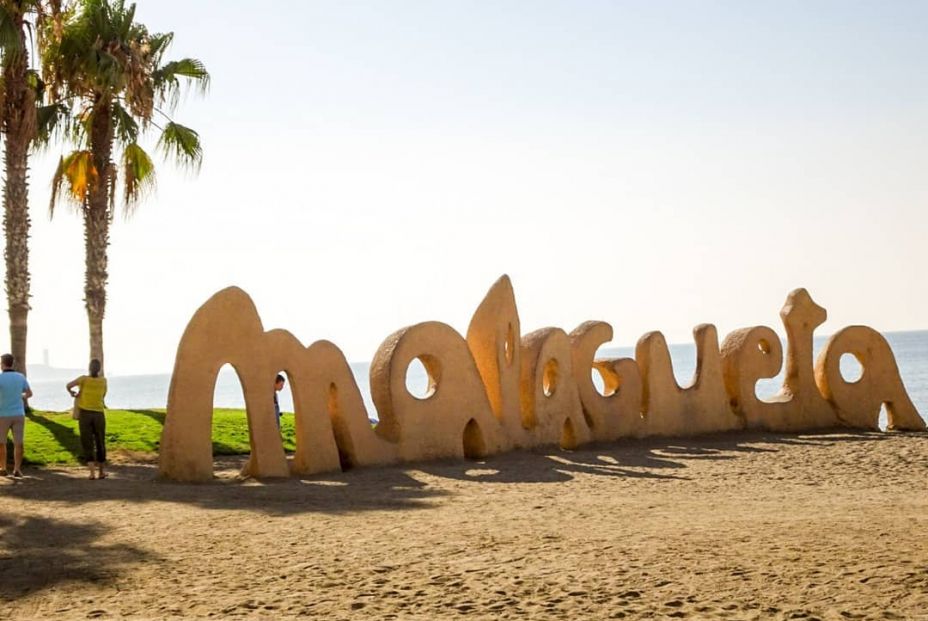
point(14, 390)
point(278, 386)
point(92, 420)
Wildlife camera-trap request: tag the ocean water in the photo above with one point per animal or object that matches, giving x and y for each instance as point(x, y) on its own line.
point(150, 391)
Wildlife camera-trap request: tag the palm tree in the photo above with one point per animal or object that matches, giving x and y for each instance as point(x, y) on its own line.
point(20, 91)
point(110, 70)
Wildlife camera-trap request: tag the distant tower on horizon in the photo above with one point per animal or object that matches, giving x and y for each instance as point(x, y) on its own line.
point(45, 357)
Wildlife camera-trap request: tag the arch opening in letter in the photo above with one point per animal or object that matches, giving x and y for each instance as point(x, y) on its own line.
point(287, 405)
point(229, 430)
point(475, 447)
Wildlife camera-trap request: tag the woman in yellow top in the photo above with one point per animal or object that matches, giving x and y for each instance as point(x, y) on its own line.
point(92, 422)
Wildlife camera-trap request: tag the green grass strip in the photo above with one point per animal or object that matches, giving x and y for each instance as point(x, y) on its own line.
point(52, 437)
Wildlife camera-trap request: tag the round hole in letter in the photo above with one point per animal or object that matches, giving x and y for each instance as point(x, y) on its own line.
point(851, 369)
point(549, 377)
point(422, 376)
point(606, 381)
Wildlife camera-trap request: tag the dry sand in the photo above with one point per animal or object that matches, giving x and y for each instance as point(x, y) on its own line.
point(737, 526)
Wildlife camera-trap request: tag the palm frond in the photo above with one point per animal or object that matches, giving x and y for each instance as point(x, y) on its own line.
point(167, 79)
point(126, 129)
point(101, 63)
point(82, 125)
point(182, 145)
point(75, 174)
point(138, 176)
point(52, 121)
point(160, 42)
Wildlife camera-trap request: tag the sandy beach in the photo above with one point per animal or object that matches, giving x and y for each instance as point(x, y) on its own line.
point(743, 526)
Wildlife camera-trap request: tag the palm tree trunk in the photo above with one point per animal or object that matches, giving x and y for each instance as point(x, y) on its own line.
point(96, 242)
point(97, 218)
point(16, 227)
point(18, 125)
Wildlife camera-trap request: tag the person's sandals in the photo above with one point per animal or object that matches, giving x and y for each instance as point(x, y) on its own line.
point(102, 475)
point(4, 473)
point(92, 476)
point(17, 474)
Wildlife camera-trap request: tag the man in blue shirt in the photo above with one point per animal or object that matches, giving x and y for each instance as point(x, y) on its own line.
point(13, 390)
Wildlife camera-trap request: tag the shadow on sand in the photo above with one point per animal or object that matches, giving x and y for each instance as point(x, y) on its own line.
point(649, 458)
point(39, 552)
point(397, 488)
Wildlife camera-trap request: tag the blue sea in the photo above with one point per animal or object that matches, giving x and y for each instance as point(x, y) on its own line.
point(150, 391)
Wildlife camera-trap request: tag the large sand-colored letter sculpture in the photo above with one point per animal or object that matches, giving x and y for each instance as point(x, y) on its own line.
point(616, 413)
point(495, 390)
point(671, 410)
point(755, 352)
point(857, 404)
point(454, 418)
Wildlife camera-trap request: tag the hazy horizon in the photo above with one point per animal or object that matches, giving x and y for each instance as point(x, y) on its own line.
point(653, 165)
point(607, 349)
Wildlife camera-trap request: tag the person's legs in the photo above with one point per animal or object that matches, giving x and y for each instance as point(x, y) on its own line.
point(99, 433)
point(19, 431)
point(85, 424)
point(4, 430)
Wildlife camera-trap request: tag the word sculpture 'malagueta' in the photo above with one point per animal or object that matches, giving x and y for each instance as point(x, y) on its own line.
point(494, 390)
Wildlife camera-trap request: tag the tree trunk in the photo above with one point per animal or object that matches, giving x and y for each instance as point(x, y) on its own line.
point(96, 241)
point(98, 215)
point(18, 125)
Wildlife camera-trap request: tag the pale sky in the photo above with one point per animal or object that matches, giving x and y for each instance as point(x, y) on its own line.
point(370, 165)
